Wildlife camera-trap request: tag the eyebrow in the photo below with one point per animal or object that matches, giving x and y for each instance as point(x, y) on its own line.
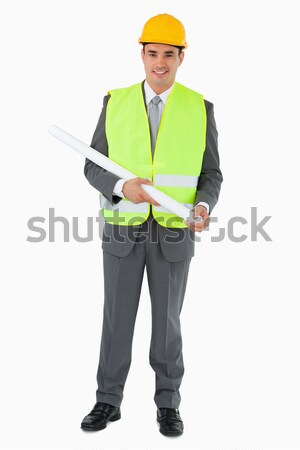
point(168, 52)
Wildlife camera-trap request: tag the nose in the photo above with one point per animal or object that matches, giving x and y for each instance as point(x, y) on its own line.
point(160, 61)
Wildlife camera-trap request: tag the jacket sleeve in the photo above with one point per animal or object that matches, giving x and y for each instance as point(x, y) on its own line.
point(99, 178)
point(209, 182)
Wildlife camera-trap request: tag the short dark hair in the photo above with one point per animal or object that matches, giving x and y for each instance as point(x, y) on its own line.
point(180, 49)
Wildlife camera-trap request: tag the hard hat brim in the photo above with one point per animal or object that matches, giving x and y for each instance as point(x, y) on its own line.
point(153, 41)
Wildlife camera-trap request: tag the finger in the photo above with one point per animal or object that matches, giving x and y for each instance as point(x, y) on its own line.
point(202, 214)
point(151, 200)
point(199, 228)
point(206, 221)
point(145, 181)
point(196, 227)
point(188, 224)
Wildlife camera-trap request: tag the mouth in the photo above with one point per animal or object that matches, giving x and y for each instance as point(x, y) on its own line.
point(160, 72)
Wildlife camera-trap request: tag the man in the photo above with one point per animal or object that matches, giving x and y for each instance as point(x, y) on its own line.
point(166, 134)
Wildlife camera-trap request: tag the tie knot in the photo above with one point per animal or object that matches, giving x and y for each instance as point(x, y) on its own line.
point(156, 100)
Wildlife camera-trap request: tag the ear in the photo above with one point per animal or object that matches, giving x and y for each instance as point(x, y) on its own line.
point(143, 53)
point(181, 57)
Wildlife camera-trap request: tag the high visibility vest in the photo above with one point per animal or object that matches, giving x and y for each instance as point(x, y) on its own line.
point(178, 153)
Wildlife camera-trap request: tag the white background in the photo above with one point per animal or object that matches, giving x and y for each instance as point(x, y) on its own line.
point(240, 319)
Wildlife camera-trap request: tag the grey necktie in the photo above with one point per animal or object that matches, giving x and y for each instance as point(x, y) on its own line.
point(153, 120)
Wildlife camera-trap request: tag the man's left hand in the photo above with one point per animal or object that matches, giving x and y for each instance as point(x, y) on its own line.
point(199, 211)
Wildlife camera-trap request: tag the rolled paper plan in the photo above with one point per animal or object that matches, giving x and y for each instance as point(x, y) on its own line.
point(109, 165)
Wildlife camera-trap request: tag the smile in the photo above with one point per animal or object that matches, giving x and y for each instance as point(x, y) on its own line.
point(160, 72)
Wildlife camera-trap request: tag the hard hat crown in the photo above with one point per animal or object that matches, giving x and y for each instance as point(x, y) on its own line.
point(164, 29)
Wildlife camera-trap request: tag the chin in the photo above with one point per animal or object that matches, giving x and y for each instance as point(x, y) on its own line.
point(160, 82)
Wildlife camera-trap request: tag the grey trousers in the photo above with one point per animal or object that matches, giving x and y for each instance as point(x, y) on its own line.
point(123, 278)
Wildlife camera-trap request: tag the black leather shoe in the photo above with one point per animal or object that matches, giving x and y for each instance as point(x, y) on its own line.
point(99, 416)
point(170, 421)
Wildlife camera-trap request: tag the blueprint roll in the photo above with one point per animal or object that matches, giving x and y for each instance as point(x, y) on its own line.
point(164, 200)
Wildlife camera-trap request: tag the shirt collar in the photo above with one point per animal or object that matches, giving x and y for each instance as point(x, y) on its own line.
point(150, 94)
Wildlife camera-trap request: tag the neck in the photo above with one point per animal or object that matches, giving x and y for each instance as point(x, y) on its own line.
point(159, 89)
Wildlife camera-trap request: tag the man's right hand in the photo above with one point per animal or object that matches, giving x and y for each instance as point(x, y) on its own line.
point(135, 193)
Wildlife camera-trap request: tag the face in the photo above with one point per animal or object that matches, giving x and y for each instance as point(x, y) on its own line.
point(161, 63)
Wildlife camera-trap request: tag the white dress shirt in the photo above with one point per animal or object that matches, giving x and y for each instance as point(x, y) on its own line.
point(149, 95)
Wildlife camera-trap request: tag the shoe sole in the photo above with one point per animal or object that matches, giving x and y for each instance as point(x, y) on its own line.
point(171, 434)
point(112, 419)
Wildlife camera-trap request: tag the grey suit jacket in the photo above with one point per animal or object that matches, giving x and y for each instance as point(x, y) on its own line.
point(176, 243)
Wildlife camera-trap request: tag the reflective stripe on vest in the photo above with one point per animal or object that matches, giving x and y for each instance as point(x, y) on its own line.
point(175, 180)
point(178, 154)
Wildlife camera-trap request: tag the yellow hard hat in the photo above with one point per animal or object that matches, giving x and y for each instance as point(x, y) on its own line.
point(164, 29)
